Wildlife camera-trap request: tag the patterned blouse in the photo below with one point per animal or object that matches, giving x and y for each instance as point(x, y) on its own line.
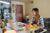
point(40, 20)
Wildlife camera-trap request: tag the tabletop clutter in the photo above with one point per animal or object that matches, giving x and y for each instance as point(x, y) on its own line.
point(19, 26)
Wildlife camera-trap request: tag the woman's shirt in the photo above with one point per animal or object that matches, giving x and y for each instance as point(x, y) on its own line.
point(40, 20)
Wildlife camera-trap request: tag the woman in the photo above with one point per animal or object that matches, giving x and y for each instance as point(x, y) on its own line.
point(37, 20)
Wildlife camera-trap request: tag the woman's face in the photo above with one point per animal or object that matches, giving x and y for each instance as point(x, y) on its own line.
point(34, 13)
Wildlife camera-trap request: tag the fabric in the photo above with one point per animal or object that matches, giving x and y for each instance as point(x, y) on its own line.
point(40, 20)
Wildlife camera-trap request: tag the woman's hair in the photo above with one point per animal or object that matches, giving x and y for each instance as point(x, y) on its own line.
point(35, 9)
point(37, 15)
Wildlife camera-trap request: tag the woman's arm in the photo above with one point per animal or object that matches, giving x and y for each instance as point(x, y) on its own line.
point(11, 23)
point(30, 22)
point(42, 22)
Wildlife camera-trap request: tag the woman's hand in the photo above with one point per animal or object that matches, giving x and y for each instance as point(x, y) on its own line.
point(40, 27)
point(35, 25)
point(30, 22)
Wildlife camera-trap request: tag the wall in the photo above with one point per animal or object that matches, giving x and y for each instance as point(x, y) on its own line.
point(43, 5)
point(18, 3)
point(28, 9)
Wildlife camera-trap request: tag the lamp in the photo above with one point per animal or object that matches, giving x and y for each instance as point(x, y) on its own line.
point(4, 2)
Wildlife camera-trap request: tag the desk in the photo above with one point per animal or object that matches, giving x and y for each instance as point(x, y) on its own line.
point(23, 31)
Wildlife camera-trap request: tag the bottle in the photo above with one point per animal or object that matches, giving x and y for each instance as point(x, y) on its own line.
point(4, 30)
point(28, 29)
point(0, 24)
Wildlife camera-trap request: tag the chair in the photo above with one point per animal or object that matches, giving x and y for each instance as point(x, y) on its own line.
point(10, 31)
